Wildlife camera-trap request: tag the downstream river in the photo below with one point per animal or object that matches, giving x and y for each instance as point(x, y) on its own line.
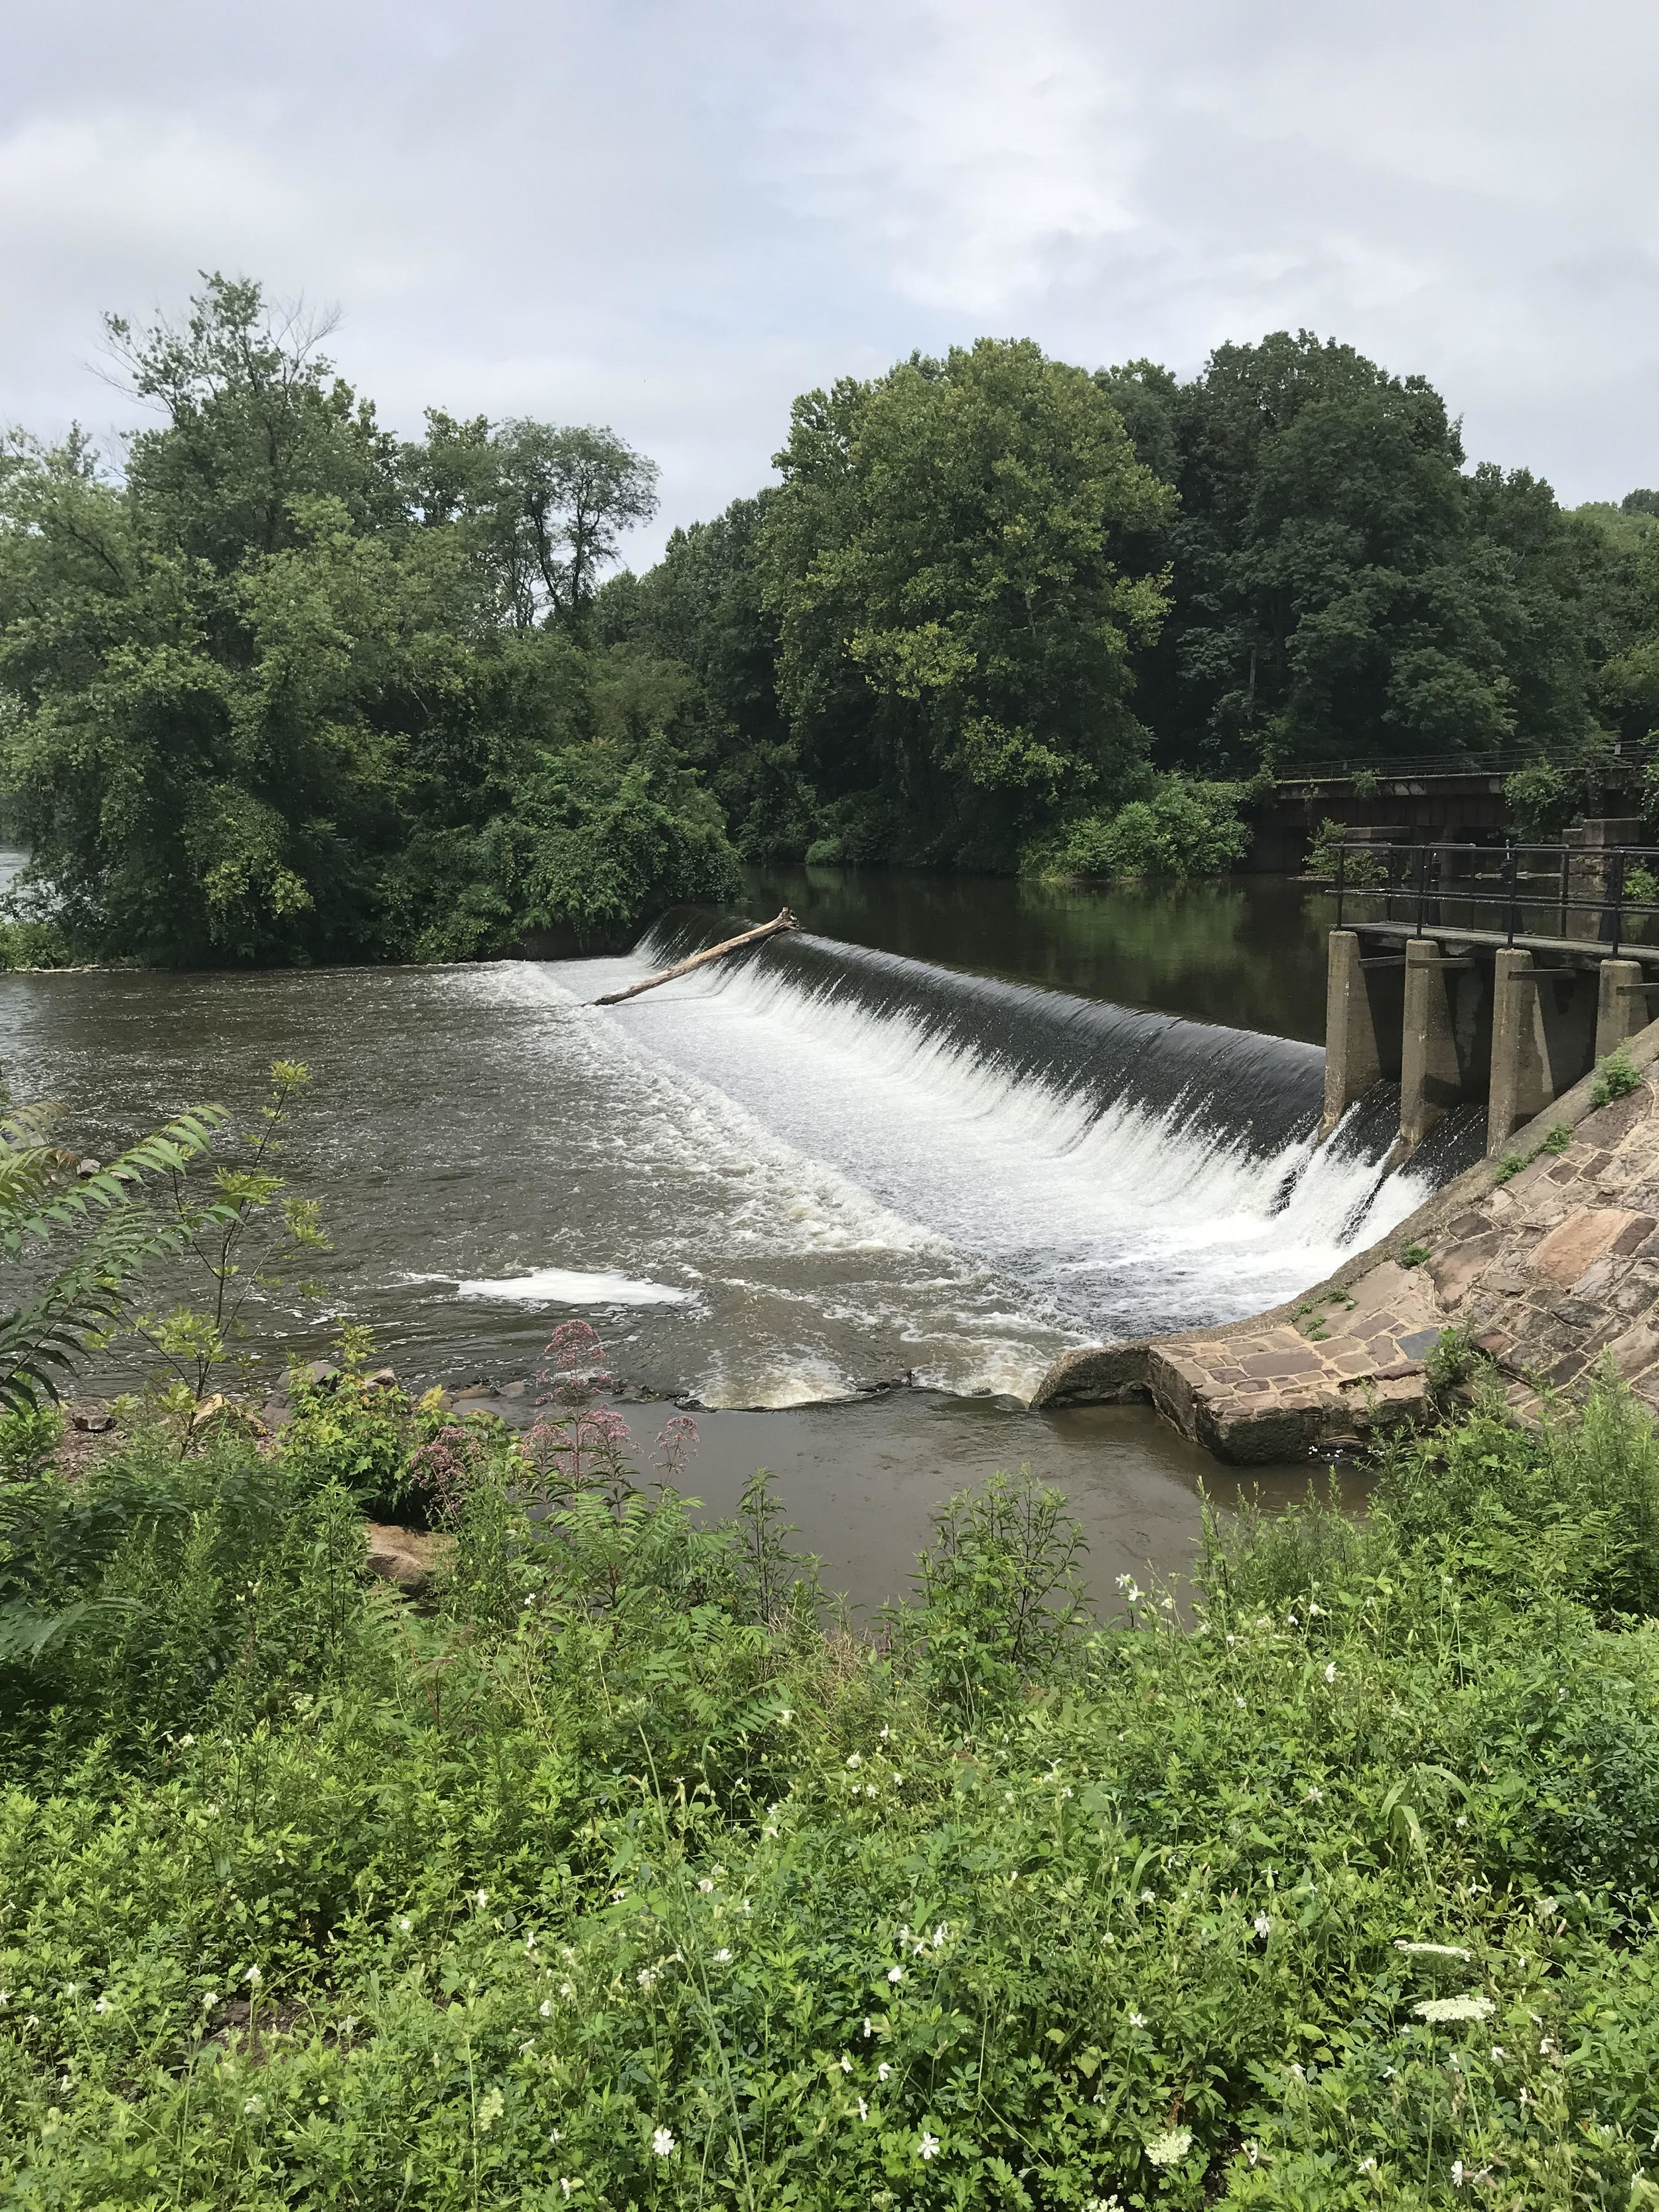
point(954, 1127)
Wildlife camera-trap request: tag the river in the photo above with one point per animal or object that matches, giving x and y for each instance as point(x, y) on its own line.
point(956, 1127)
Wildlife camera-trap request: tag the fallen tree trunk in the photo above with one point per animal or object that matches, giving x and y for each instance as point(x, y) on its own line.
point(783, 920)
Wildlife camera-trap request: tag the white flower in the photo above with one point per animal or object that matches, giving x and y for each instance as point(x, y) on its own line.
point(896, 1974)
point(1147, 1897)
point(786, 1714)
point(928, 2147)
point(870, 1790)
point(617, 1895)
point(886, 1731)
point(898, 1782)
point(1457, 2174)
point(1545, 2046)
point(568, 2186)
point(855, 1760)
point(645, 1978)
point(1169, 2149)
point(567, 1988)
point(546, 2007)
point(1232, 1641)
point(1496, 2051)
point(1292, 1618)
point(405, 1923)
point(185, 1741)
point(1123, 1581)
point(722, 1958)
point(846, 2064)
point(941, 1933)
point(102, 2005)
point(1433, 1950)
point(769, 1831)
point(1462, 1821)
point(1253, 2152)
point(706, 1886)
point(864, 2110)
point(662, 2141)
point(252, 2103)
point(883, 2071)
point(481, 1900)
point(252, 1975)
point(1330, 1672)
point(869, 2025)
point(1263, 1925)
point(1238, 1701)
point(1314, 1611)
point(207, 2001)
point(1315, 1797)
point(1137, 2020)
point(1368, 2166)
point(1466, 2007)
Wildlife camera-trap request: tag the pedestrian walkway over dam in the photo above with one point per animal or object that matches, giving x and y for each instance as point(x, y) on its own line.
point(1471, 972)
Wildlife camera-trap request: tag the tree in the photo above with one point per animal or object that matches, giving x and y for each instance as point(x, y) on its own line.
point(562, 502)
point(955, 619)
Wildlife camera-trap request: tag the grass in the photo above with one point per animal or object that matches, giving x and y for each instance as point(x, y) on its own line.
point(626, 1874)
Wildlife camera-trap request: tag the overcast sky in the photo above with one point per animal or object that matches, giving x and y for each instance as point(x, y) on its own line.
point(673, 218)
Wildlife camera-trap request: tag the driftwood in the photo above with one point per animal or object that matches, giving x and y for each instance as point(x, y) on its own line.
point(784, 920)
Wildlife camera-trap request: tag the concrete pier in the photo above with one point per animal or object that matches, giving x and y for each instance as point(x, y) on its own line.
point(1363, 1024)
point(1621, 1006)
point(1445, 1048)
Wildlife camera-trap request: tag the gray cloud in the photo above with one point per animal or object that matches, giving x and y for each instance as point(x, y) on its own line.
point(674, 219)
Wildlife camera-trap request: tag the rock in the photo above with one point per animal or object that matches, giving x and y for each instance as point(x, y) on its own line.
point(406, 1558)
point(383, 1378)
point(1579, 1243)
point(1455, 1268)
point(1097, 1375)
point(87, 1167)
point(322, 1370)
point(92, 1420)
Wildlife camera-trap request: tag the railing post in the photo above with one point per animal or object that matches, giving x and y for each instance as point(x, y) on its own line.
point(1341, 877)
point(1509, 893)
point(1422, 884)
point(1618, 901)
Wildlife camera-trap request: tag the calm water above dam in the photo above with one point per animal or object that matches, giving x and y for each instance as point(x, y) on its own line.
point(938, 1138)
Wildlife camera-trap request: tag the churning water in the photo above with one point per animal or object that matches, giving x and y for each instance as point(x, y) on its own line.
point(776, 1182)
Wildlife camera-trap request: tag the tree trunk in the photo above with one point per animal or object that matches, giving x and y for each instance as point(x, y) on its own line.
point(783, 920)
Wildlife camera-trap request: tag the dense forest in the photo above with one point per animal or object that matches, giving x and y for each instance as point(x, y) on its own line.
point(279, 685)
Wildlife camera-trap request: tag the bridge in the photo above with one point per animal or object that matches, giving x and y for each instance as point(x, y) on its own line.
point(1410, 796)
point(1503, 972)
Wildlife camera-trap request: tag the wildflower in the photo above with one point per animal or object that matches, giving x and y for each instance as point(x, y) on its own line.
point(1238, 1701)
point(1330, 1672)
point(546, 2007)
point(846, 2064)
point(883, 2071)
point(1263, 1925)
point(1457, 2174)
point(185, 1741)
point(898, 1783)
point(568, 2186)
point(855, 1760)
point(645, 1978)
point(1294, 1622)
point(864, 2110)
point(70, 1987)
point(769, 1831)
point(662, 2141)
point(1167, 1602)
point(252, 1975)
point(941, 1934)
point(869, 2025)
point(1464, 2008)
point(722, 1957)
point(1147, 1897)
point(1298, 2070)
point(886, 1731)
point(1314, 1611)
point(1232, 1641)
point(1262, 1622)
point(786, 1715)
point(706, 1886)
point(1462, 1821)
point(553, 2134)
point(1433, 1950)
point(1169, 2149)
point(1497, 2052)
point(928, 2147)
point(481, 1900)
point(1315, 1797)
point(1123, 1581)
point(405, 1923)
point(870, 1790)
point(567, 1988)
point(207, 2001)
point(1545, 2046)
point(1368, 2166)
point(896, 1974)
point(1137, 2020)
point(102, 2005)
point(1253, 2152)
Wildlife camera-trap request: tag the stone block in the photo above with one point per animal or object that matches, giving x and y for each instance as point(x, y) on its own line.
point(1454, 1268)
point(1578, 1242)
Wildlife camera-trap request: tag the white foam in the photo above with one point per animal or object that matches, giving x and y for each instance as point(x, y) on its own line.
point(569, 1286)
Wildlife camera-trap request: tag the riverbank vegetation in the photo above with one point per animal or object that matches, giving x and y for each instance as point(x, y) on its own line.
point(615, 1864)
point(279, 686)
point(621, 1871)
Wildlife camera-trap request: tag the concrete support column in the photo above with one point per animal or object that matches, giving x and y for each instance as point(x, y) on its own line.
point(1353, 1054)
point(1445, 1041)
point(1520, 1085)
point(1621, 1005)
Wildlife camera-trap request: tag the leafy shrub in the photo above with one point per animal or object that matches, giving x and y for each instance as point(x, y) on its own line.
point(1616, 1077)
point(1182, 828)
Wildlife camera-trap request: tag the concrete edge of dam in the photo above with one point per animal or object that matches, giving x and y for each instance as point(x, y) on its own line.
point(1545, 1272)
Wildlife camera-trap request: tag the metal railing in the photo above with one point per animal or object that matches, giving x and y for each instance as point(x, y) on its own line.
point(1616, 886)
point(1402, 767)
